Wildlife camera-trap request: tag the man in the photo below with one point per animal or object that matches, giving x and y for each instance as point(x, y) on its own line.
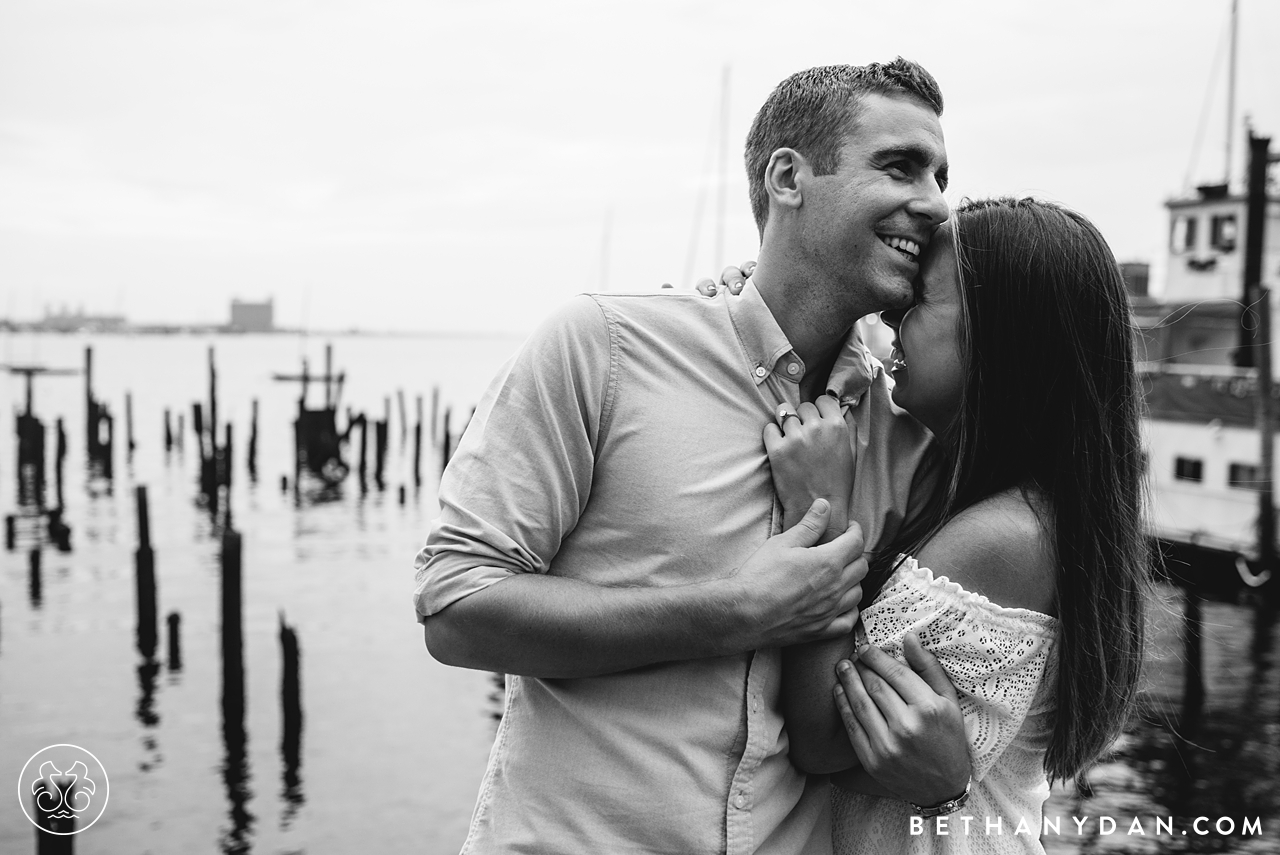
point(593, 543)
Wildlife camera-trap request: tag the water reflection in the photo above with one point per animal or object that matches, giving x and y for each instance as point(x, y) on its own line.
point(235, 768)
point(291, 714)
point(145, 711)
point(1206, 745)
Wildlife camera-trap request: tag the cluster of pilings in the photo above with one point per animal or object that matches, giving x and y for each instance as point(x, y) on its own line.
point(235, 770)
point(319, 448)
point(39, 520)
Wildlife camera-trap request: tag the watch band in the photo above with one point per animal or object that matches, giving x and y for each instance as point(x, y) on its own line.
point(944, 808)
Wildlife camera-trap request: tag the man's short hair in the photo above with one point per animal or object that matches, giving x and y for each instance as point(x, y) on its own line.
point(814, 111)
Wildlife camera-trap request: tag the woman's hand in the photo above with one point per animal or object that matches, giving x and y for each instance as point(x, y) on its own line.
point(732, 278)
point(811, 456)
point(905, 723)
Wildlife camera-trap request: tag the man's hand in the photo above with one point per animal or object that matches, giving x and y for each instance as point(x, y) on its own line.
point(907, 730)
point(791, 591)
point(732, 278)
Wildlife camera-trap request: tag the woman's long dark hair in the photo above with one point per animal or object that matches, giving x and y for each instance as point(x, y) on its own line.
point(1051, 407)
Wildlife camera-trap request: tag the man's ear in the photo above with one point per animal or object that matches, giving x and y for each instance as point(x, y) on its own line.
point(783, 178)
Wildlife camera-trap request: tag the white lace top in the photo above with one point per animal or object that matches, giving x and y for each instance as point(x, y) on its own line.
point(1002, 664)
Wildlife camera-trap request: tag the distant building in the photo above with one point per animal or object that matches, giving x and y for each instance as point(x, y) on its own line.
point(252, 317)
point(64, 320)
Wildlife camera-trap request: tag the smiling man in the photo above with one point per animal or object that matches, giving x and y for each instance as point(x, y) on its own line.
point(630, 574)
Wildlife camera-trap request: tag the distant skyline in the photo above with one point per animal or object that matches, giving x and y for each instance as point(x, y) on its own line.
point(468, 165)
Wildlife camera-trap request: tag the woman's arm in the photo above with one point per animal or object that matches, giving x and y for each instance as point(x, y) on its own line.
point(811, 457)
point(998, 550)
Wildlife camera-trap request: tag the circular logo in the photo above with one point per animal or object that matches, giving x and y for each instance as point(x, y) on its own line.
point(63, 789)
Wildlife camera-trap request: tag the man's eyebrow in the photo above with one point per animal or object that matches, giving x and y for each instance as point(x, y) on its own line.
point(919, 155)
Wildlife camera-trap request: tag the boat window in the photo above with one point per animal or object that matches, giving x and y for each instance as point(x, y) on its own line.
point(1183, 238)
point(1188, 469)
point(1222, 232)
point(1245, 476)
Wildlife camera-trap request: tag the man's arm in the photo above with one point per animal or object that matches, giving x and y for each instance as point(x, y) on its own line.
point(550, 626)
point(517, 485)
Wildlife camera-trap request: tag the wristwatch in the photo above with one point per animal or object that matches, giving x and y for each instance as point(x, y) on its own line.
point(948, 807)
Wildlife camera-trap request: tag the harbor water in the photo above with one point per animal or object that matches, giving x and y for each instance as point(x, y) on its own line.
point(393, 744)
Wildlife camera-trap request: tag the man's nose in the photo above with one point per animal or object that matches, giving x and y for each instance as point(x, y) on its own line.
point(930, 204)
point(893, 317)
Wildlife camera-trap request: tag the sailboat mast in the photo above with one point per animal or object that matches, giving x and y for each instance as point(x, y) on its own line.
point(1231, 92)
point(722, 184)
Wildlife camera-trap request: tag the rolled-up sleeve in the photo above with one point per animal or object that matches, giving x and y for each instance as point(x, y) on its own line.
point(522, 472)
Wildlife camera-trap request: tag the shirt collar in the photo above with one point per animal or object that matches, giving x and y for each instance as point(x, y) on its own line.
point(762, 339)
point(765, 343)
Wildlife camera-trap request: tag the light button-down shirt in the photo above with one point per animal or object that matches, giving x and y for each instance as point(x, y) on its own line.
point(622, 446)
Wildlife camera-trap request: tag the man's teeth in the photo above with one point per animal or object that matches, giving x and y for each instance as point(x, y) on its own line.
point(909, 248)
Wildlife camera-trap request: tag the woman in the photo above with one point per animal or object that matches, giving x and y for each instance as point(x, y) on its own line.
point(1026, 575)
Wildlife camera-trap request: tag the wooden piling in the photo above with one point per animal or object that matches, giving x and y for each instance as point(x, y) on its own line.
point(168, 432)
point(224, 470)
point(10, 531)
point(290, 691)
point(380, 452)
point(90, 407)
point(213, 405)
point(364, 446)
point(291, 714)
point(435, 407)
point(54, 835)
point(328, 374)
point(232, 597)
point(252, 459)
point(404, 418)
point(179, 436)
point(145, 579)
point(108, 448)
point(174, 621)
point(234, 737)
point(197, 425)
point(128, 424)
point(284, 483)
point(59, 531)
point(59, 461)
point(35, 586)
point(402, 494)
point(445, 451)
point(417, 449)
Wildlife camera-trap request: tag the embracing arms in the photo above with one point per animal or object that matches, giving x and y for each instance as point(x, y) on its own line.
point(911, 743)
point(549, 626)
point(522, 478)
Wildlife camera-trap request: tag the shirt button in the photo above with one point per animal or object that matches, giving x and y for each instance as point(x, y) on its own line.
point(761, 371)
point(793, 369)
point(740, 801)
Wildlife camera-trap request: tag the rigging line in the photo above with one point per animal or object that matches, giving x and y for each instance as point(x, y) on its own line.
point(1204, 110)
point(701, 204)
point(722, 180)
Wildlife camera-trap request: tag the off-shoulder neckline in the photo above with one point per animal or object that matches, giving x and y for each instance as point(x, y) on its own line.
point(908, 565)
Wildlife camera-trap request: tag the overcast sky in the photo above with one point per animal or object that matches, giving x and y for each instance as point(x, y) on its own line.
point(434, 165)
